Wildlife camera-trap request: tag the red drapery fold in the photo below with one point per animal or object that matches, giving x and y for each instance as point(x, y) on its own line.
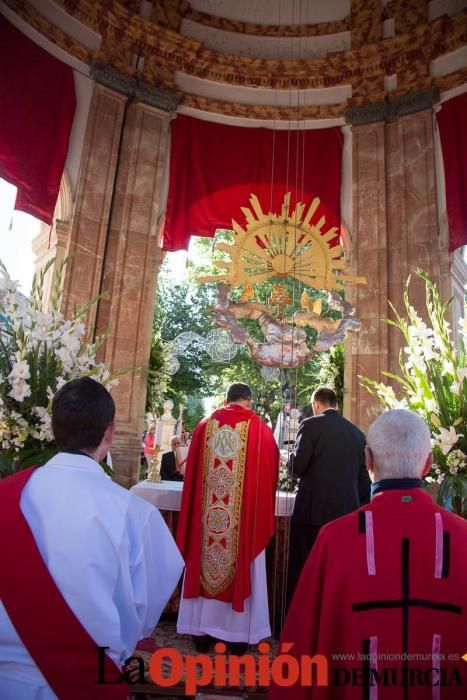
point(452, 120)
point(215, 167)
point(37, 105)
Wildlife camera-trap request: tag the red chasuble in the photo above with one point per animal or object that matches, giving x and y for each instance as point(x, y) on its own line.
point(227, 510)
point(383, 597)
point(60, 646)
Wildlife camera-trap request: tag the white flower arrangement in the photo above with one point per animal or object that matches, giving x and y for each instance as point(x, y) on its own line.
point(285, 481)
point(39, 352)
point(433, 383)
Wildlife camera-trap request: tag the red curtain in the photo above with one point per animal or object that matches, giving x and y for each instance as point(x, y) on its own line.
point(452, 122)
point(215, 167)
point(37, 104)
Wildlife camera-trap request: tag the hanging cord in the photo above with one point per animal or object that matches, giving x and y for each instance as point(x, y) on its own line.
point(271, 202)
point(286, 535)
point(285, 428)
point(293, 374)
point(280, 415)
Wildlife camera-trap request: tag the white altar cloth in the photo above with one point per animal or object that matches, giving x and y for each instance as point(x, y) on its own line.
point(167, 495)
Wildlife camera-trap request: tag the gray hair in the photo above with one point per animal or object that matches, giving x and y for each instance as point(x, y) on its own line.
point(400, 443)
point(175, 438)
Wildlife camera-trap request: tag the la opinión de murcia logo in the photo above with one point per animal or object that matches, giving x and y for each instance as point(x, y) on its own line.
point(285, 670)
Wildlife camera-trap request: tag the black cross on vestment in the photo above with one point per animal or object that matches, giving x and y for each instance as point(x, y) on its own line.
point(405, 603)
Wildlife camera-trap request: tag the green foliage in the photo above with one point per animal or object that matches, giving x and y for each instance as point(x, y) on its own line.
point(181, 307)
point(158, 376)
point(331, 372)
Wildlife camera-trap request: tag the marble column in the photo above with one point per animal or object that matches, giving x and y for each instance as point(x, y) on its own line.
point(96, 180)
point(412, 219)
point(367, 351)
point(113, 239)
point(394, 232)
point(131, 265)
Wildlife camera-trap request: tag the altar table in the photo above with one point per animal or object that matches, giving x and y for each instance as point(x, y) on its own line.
point(167, 496)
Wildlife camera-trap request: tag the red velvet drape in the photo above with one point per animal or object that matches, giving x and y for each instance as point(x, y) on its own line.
point(37, 105)
point(215, 167)
point(452, 121)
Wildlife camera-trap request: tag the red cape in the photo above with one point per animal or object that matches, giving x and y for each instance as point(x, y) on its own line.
point(349, 603)
point(257, 504)
point(60, 646)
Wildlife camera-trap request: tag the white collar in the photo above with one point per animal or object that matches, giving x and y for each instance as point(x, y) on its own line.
point(73, 461)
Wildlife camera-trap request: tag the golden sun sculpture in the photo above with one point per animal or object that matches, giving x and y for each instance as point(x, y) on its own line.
point(284, 245)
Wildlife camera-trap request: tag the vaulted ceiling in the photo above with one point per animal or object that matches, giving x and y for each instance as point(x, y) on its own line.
point(266, 59)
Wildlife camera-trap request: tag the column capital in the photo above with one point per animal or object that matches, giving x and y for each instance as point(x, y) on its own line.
point(393, 108)
point(138, 90)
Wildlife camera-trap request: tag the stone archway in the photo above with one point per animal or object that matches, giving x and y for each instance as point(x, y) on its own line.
point(52, 241)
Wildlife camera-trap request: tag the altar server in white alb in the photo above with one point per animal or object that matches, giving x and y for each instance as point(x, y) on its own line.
point(85, 563)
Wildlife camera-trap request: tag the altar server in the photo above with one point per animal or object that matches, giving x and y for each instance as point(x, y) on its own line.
point(226, 522)
point(84, 563)
point(382, 599)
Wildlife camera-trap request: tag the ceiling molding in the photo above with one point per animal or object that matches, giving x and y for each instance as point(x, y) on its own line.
point(272, 30)
point(163, 53)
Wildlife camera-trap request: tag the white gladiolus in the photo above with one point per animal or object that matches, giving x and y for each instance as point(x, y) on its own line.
point(41, 348)
point(433, 383)
point(463, 326)
point(447, 438)
point(448, 368)
point(19, 371)
point(20, 391)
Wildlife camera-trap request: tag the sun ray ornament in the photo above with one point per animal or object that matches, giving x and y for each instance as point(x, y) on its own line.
point(273, 248)
point(284, 245)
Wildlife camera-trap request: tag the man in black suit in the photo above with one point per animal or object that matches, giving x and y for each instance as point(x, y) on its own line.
point(170, 469)
point(329, 460)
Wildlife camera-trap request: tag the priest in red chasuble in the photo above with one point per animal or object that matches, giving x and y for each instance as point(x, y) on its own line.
point(382, 600)
point(226, 522)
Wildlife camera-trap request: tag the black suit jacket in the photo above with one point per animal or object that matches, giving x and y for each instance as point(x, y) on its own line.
point(169, 468)
point(329, 458)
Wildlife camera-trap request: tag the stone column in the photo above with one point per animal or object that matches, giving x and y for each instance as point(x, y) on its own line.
point(367, 351)
point(394, 232)
point(93, 200)
point(411, 215)
point(131, 266)
point(114, 239)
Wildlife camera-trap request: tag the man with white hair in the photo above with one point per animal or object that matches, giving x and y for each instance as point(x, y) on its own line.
point(383, 595)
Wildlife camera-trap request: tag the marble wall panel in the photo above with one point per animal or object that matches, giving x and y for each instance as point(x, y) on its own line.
point(88, 237)
point(412, 214)
point(395, 231)
point(369, 255)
